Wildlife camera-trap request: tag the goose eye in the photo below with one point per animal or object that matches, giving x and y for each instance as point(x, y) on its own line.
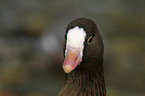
point(89, 41)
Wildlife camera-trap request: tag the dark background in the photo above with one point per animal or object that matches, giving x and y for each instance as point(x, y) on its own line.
point(32, 33)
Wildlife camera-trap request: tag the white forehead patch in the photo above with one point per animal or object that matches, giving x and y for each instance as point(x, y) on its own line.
point(75, 38)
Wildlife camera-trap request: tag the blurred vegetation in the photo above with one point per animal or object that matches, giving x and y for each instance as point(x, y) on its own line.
point(31, 39)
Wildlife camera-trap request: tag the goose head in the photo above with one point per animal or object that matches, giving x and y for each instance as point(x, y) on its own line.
point(83, 46)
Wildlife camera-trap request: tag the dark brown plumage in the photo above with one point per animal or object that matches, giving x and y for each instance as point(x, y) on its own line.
point(87, 79)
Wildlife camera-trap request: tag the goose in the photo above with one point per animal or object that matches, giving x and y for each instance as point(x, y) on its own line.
point(83, 60)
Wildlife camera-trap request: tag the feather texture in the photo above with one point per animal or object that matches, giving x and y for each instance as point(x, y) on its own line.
point(87, 79)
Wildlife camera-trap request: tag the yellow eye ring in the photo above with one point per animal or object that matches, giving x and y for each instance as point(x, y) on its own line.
point(89, 41)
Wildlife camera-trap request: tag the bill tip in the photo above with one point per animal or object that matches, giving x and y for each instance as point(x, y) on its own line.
point(67, 68)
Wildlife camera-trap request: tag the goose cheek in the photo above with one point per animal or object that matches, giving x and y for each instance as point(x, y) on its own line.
point(72, 59)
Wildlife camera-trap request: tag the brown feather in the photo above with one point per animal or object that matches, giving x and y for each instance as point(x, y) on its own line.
point(87, 79)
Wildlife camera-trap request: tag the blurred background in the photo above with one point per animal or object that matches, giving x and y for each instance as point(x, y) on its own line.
point(32, 33)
